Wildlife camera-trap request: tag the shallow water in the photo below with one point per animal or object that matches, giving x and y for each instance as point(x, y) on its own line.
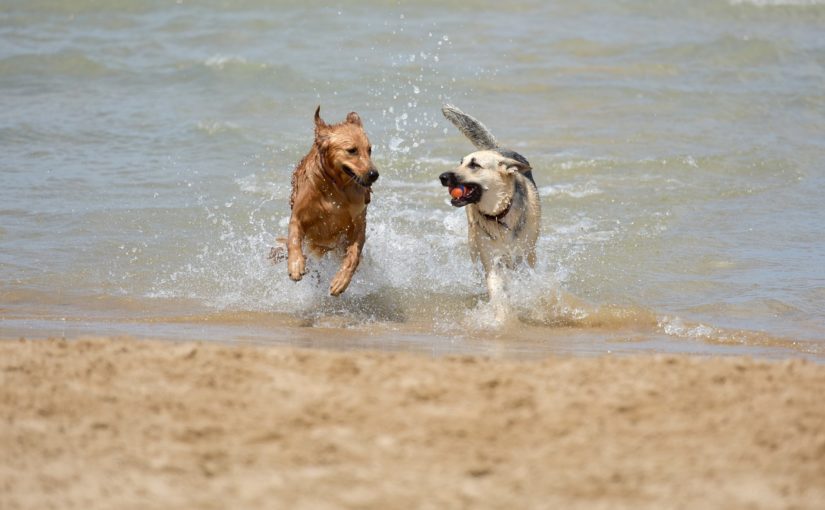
point(148, 146)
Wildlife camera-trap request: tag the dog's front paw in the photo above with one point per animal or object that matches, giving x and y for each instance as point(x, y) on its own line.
point(297, 268)
point(339, 283)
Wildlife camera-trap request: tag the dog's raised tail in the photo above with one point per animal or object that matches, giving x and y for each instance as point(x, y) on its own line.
point(473, 129)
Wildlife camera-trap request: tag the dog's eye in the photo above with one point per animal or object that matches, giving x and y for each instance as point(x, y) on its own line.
point(369, 150)
point(472, 164)
point(353, 150)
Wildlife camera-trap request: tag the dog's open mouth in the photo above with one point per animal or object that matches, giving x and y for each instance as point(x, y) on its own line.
point(465, 193)
point(354, 176)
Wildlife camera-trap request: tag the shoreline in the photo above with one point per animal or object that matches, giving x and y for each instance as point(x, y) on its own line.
point(524, 342)
point(102, 423)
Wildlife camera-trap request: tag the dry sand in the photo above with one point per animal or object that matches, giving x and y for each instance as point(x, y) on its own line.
point(139, 424)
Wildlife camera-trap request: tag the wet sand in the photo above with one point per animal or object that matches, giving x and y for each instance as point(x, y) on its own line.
point(121, 423)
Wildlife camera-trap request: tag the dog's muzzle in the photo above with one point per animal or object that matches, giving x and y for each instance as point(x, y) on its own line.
point(371, 176)
point(470, 192)
point(447, 179)
point(365, 181)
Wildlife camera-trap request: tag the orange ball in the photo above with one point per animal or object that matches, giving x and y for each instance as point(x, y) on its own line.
point(457, 192)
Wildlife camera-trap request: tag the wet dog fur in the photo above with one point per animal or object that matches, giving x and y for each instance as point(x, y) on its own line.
point(501, 201)
point(331, 189)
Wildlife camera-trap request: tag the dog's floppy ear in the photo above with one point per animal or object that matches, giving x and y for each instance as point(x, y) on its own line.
point(320, 125)
point(512, 166)
point(353, 118)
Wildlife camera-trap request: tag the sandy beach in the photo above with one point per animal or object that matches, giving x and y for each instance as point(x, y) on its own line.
point(666, 350)
point(125, 423)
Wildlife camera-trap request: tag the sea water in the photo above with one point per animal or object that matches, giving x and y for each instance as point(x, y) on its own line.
point(147, 149)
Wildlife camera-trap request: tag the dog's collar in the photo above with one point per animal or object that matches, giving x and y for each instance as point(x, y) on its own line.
point(500, 216)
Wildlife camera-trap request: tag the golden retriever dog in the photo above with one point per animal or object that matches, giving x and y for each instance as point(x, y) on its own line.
point(502, 203)
point(330, 194)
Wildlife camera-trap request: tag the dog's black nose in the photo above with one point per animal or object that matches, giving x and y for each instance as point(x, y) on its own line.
point(447, 178)
point(372, 176)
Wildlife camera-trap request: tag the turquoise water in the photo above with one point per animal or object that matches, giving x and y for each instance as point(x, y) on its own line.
point(678, 148)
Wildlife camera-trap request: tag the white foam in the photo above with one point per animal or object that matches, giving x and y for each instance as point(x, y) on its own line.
point(675, 326)
point(220, 61)
point(572, 190)
point(575, 164)
point(263, 185)
point(216, 127)
point(432, 160)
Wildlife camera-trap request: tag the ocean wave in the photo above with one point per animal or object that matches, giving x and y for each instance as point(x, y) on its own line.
point(572, 190)
point(214, 127)
point(67, 64)
point(221, 61)
point(684, 329)
point(725, 51)
point(240, 71)
point(778, 3)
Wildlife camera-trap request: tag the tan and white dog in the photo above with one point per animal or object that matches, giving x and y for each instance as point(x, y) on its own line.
point(502, 204)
